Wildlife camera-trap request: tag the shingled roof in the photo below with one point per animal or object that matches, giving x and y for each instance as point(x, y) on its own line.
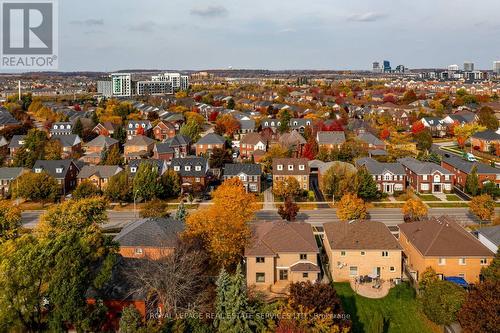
point(152, 232)
point(360, 235)
point(272, 238)
point(443, 237)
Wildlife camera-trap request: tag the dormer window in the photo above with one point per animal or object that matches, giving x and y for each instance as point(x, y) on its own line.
point(38, 170)
point(177, 168)
point(302, 167)
point(133, 169)
point(290, 167)
point(136, 125)
point(56, 127)
point(280, 167)
point(68, 127)
point(143, 125)
point(187, 168)
point(198, 168)
point(130, 126)
point(59, 170)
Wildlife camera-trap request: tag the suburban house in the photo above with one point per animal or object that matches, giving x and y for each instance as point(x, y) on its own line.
point(436, 126)
point(3, 142)
point(99, 175)
point(360, 248)
point(61, 128)
point(193, 171)
point(462, 168)
point(133, 128)
point(390, 177)
point(330, 139)
point(445, 246)
point(138, 147)
point(249, 174)
point(163, 130)
point(177, 146)
point(251, 143)
point(487, 141)
point(7, 119)
point(161, 165)
point(95, 149)
point(15, 144)
point(489, 237)
point(427, 177)
point(106, 128)
point(7, 177)
point(151, 238)
point(293, 141)
point(297, 168)
point(64, 171)
point(280, 253)
point(370, 141)
point(208, 143)
point(70, 144)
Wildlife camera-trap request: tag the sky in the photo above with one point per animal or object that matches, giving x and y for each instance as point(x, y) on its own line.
point(108, 35)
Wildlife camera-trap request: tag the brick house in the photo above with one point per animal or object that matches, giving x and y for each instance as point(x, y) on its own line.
point(330, 140)
point(280, 253)
point(193, 171)
point(249, 174)
point(61, 128)
point(462, 168)
point(487, 141)
point(94, 150)
point(7, 178)
point(178, 146)
point(106, 128)
point(209, 142)
point(292, 167)
point(390, 177)
point(15, 144)
point(99, 175)
point(445, 246)
point(370, 141)
point(64, 171)
point(133, 126)
point(293, 141)
point(160, 165)
point(361, 248)
point(70, 143)
point(163, 130)
point(427, 177)
point(251, 143)
point(138, 147)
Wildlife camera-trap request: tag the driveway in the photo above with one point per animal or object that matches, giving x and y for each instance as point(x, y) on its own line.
point(269, 199)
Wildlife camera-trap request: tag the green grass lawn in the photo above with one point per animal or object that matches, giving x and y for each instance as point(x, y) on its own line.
point(448, 204)
point(428, 197)
point(453, 197)
point(399, 309)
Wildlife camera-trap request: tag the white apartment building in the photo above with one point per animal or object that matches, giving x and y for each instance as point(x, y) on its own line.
point(179, 82)
point(122, 84)
point(154, 87)
point(496, 67)
point(105, 88)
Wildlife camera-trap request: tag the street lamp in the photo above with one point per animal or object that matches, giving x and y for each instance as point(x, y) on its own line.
point(135, 195)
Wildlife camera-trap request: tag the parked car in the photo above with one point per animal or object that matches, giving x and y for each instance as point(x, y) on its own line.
point(469, 157)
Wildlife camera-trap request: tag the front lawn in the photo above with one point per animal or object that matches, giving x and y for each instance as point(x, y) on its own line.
point(399, 309)
point(453, 197)
point(428, 197)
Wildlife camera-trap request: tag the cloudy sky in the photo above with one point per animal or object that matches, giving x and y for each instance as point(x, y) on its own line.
point(271, 34)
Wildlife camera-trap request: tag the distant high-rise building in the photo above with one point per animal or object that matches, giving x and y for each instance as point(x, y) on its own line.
point(496, 67)
point(376, 67)
point(387, 66)
point(468, 66)
point(154, 87)
point(122, 84)
point(400, 68)
point(179, 82)
point(105, 88)
point(453, 68)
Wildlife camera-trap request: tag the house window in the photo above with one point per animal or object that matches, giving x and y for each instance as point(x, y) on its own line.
point(302, 167)
point(138, 250)
point(342, 253)
point(303, 256)
point(437, 178)
point(260, 277)
point(484, 261)
point(59, 170)
point(446, 177)
point(197, 179)
point(353, 271)
point(305, 275)
point(38, 170)
point(197, 168)
point(387, 176)
point(392, 269)
point(363, 253)
point(424, 187)
point(260, 260)
point(462, 275)
point(290, 167)
point(280, 167)
point(177, 168)
point(461, 261)
point(442, 261)
point(424, 177)
point(133, 169)
point(385, 253)
point(187, 168)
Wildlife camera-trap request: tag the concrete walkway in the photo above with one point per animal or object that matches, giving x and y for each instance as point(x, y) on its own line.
point(367, 290)
point(269, 199)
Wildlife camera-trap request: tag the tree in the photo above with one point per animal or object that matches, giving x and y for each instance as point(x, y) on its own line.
point(119, 188)
point(414, 209)
point(417, 127)
point(367, 187)
point(32, 149)
point(350, 207)
point(86, 189)
point(191, 129)
point(310, 149)
point(339, 179)
point(131, 320)
point(441, 301)
point(289, 210)
point(224, 225)
point(36, 187)
point(53, 150)
point(491, 189)
point(146, 185)
point(479, 312)
point(219, 157)
point(181, 213)
point(492, 271)
point(120, 134)
point(288, 187)
point(284, 125)
point(483, 206)
point(10, 221)
point(384, 134)
point(472, 182)
point(170, 184)
point(155, 208)
point(227, 125)
point(428, 277)
point(113, 157)
point(464, 132)
point(230, 104)
point(487, 118)
point(424, 140)
point(78, 128)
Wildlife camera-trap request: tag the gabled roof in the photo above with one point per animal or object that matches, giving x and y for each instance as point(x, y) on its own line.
point(68, 140)
point(375, 167)
point(252, 139)
point(488, 135)
point(211, 139)
point(179, 140)
point(3, 141)
point(151, 232)
point(11, 173)
point(16, 141)
point(443, 237)
point(466, 166)
point(160, 164)
point(245, 168)
point(330, 138)
point(102, 141)
point(422, 168)
point(272, 238)
point(101, 171)
point(491, 233)
point(191, 161)
point(140, 140)
point(293, 138)
point(370, 139)
point(6, 118)
point(51, 167)
point(360, 235)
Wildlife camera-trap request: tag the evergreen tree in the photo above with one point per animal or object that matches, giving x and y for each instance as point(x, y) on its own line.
point(171, 184)
point(95, 118)
point(112, 157)
point(119, 188)
point(120, 134)
point(284, 122)
point(146, 185)
point(472, 182)
point(181, 213)
point(78, 128)
point(367, 188)
point(221, 301)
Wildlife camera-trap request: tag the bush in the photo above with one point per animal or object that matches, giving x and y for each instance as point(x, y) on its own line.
point(85, 189)
point(310, 196)
point(155, 208)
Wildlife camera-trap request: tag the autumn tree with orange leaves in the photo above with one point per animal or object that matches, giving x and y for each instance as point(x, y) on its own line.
point(350, 207)
point(223, 226)
point(414, 209)
point(227, 124)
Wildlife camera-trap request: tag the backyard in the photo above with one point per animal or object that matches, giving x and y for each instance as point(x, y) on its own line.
point(399, 309)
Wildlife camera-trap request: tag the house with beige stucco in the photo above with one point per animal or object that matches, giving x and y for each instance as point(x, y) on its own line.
point(361, 248)
point(280, 253)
